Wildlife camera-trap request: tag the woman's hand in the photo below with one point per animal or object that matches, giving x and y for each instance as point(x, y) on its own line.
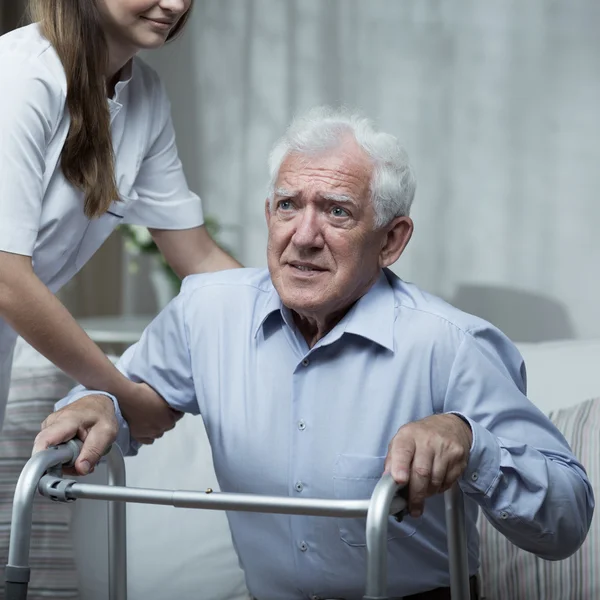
point(146, 413)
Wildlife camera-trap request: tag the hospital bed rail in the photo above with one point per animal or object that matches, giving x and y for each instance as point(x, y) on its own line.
point(43, 472)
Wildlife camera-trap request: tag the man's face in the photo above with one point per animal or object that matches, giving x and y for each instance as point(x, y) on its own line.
point(323, 252)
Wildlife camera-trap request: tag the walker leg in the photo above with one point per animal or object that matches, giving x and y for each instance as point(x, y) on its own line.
point(17, 570)
point(457, 544)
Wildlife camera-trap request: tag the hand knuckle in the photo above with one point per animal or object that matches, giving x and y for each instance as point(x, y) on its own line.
point(424, 472)
point(107, 429)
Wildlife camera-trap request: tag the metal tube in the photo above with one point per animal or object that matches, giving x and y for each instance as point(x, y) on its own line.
point(117, 529)
point(457, 544)
point(215, 500)
point(383, 502)
point(17, 569)
point(377, 521)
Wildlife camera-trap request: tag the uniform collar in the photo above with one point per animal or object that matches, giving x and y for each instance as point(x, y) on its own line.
point(125, 77)
point(372, 316)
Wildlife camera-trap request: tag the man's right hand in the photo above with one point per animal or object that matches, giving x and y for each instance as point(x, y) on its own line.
point(146, 413)
point(91, 419)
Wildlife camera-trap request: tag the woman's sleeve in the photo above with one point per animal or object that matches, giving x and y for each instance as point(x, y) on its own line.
point(28, 109)
point(163, 199)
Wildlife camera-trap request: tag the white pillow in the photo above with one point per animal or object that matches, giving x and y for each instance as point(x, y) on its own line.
point(560, 374)
point(171, 552)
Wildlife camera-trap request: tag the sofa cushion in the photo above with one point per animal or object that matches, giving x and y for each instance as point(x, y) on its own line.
point(562, 373)
point(509, 572)
point(171, 552)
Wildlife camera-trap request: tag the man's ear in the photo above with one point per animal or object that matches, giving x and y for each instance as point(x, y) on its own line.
point(397, 236)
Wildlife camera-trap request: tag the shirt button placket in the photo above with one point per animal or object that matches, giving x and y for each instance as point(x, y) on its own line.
point(299, 485)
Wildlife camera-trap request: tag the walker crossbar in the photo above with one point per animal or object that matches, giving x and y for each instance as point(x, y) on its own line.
point(41, 473)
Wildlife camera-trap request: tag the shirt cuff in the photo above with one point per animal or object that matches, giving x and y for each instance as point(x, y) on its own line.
point(184, 213)
point(483, 466)
point(127, 446)
point(16, 239)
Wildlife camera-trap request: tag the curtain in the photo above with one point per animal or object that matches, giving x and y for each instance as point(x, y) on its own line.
point(496, 103)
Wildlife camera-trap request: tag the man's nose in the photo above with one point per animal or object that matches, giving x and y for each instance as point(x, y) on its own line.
point(308, 232)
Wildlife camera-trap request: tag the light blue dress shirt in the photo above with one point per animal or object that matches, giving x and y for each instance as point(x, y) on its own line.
point(284, 419)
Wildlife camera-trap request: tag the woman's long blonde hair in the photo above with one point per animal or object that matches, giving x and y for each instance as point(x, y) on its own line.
point(74, 29)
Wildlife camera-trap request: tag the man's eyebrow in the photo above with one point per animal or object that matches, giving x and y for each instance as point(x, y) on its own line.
point(338, 198)
point(285, 193)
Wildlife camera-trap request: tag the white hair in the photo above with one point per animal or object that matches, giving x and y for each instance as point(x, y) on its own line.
point(323, 128)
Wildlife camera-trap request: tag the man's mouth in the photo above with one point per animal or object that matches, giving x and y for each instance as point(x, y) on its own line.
point(305, 267)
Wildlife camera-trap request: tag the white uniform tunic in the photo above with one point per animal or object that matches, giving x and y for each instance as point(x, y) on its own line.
point(41, 213)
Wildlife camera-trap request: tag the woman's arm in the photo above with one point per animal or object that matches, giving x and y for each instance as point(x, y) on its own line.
point(191, 251)
point(29, 307)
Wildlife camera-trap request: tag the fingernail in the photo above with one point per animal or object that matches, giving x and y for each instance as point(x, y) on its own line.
point(401, 476)
point(84, 467)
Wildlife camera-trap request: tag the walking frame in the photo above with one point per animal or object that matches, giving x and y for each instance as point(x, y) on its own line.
point(43, 472)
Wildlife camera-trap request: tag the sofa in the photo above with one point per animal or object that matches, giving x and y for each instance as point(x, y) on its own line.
point(188, 554)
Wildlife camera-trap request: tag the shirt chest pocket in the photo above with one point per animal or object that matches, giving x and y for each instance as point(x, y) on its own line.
point(355, 478)
point(98, 230)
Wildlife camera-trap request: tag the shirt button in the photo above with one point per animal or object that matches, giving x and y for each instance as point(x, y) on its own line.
point(303, 546)
point(306, 362)
point(301, 425)
point(475, 476)
point(299, 486)
point(504, 515)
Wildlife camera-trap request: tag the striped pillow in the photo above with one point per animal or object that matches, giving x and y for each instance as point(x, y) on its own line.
point(36, 385)
point(509, 572)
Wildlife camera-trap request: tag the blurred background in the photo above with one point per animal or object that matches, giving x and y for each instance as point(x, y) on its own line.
point(496, 101)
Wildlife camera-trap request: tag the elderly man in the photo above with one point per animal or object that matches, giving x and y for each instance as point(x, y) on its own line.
point(320, 373)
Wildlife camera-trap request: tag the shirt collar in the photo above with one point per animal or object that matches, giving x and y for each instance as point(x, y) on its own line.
point(124, 78)
point(272, 305)
point(372, 316)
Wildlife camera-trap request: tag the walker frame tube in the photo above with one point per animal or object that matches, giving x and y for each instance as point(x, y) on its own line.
point(17, 571)
point(117, 530)
point(383, 503)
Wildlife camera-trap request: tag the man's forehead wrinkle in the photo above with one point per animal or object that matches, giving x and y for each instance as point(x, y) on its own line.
point(332, 178)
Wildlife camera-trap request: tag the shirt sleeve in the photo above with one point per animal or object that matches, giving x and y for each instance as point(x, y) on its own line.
point(162, 360)
point(521, 470)
point(163, 199)
point(28, 112)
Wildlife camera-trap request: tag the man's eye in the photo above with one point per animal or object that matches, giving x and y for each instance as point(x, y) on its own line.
point(284, 204)
point(337, 211)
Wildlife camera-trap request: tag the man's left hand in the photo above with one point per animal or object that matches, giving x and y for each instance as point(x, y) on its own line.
point(429, 455)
